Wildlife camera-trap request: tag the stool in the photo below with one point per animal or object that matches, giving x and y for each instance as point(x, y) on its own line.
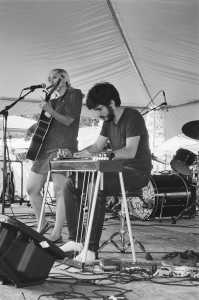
point(122, 232)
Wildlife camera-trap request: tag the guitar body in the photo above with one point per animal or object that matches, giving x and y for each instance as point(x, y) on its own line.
point(39, 136)
point(42, 128)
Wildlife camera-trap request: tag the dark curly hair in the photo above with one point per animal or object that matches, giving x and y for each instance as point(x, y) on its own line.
point(102, 93)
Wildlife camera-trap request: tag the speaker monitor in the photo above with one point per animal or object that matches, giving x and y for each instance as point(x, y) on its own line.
point(26, 256)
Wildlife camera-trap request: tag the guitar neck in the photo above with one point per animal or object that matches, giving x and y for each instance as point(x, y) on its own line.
point(52, 90)
point(44, 118)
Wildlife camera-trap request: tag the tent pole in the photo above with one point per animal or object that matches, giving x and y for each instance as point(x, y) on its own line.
point(128, 49)
point(154, 120)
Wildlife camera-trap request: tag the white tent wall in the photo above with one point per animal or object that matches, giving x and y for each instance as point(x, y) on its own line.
point(176, 117)
point(141, 46)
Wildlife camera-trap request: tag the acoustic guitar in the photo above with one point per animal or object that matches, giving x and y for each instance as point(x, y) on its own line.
point(41, 129)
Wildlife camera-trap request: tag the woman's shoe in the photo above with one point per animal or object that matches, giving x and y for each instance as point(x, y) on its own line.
point(57, 241)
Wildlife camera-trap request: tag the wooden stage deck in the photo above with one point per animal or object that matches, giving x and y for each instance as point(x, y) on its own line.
point(157, 238)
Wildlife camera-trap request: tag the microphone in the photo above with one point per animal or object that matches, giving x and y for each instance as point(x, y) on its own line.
point(165, 100)
point(33, 87)
point(164, 103)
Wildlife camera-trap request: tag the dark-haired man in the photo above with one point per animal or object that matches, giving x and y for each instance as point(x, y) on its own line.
point(126, 131)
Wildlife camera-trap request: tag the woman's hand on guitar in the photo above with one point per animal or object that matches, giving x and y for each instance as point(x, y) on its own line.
point(27, 135)
point(46, 106)
point(29, 132)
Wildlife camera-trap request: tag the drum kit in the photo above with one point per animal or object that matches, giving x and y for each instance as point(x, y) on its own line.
point(172, 194)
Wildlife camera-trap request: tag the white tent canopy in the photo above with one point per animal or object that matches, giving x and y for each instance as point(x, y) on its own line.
point(177, 142)
point(16, 127)
point(141, 46)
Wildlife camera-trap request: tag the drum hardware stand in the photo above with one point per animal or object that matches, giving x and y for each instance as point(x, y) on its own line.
point(182, 213)
point(163, 200)
point(122, 232)
point(116, 214)
point(187, 208)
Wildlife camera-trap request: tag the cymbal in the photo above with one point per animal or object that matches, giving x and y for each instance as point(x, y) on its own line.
point(191, 129)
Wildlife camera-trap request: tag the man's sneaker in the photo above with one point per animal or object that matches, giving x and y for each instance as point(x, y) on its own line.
point(170, 255)
point(191, 254)
point(181, 259)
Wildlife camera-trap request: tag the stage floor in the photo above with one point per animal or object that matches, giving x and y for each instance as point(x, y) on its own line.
point(94, 283)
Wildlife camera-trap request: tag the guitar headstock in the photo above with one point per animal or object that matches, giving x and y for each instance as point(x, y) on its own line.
point(52, 90)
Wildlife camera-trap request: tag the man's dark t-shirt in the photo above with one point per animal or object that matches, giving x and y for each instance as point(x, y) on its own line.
point(130, 124)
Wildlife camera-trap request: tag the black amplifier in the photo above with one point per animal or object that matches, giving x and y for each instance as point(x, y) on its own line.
point(26, 256)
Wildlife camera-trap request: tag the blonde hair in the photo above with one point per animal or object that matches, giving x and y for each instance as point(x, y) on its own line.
point(63, 73)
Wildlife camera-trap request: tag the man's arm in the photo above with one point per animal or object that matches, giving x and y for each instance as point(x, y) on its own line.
point(128, 152)
point(97, 147)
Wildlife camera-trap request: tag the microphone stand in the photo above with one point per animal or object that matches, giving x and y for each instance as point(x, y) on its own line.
point(4, 113)
point(155, 108)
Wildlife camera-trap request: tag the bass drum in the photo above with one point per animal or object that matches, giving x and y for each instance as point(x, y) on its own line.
point(173, 191)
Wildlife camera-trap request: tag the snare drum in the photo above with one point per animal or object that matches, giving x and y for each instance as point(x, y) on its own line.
point(172, 192)
point(182, 160)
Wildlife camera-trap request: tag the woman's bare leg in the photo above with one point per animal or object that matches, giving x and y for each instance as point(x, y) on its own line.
point(59, 183)
point(34, 187)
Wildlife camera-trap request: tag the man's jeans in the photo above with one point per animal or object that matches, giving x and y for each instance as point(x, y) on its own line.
point(133, 179)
